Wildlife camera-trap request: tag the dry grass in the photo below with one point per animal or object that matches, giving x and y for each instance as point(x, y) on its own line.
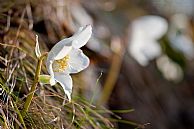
point(19, 22)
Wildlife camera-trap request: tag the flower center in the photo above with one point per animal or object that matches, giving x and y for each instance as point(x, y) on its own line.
point(61, 65)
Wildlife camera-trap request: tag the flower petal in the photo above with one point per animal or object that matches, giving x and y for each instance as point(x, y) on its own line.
point(65, 81)
point(37, 48)
point(78, 40)
point(49, 67)
point(77, 61)
point(81, 37)
point(60, 50)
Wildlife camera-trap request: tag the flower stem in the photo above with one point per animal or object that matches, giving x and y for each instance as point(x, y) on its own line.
point(113, 72)
point(34, 85)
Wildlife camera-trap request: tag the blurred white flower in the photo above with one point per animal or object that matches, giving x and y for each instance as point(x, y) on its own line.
point(146, 30)
point(178, 35)
point(169, 7)
point(170, 70)
point(66, 58)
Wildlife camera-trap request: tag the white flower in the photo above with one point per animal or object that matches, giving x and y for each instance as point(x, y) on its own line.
point(66, 58)
point(179, 35)
point(170, 70)
point(146, 30)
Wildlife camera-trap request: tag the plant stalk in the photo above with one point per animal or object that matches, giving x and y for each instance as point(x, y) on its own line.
point(34, 85)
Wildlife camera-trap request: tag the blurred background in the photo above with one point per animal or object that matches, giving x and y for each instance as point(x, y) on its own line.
point(141, 53)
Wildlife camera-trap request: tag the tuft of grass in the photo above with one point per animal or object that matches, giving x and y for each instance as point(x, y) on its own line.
point(49, 108)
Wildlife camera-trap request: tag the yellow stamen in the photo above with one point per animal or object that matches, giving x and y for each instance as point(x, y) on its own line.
point(61, 65)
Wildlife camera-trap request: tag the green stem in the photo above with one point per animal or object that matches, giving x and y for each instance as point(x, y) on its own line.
point(34, 85)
